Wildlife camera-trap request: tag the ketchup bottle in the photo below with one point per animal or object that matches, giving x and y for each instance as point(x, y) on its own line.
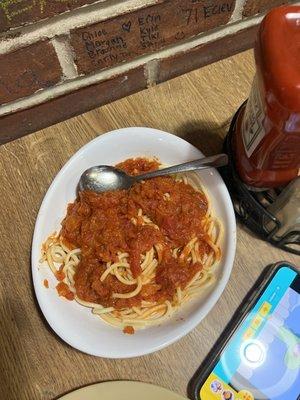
point(266, 142)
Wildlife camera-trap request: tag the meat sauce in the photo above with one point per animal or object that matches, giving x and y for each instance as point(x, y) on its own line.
point(101, 225)
point(64, 291)
point(129, 330)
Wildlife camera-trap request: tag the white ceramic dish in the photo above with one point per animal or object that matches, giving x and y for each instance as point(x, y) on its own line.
point(125, 390)
point(75, 324)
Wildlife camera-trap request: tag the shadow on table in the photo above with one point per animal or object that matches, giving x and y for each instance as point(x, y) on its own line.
point(207, 136)
point(15, 352)
point(13, 374)
point(43, 319)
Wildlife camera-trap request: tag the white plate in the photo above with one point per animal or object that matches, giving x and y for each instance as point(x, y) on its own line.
point(74, 323)
point(124, 390)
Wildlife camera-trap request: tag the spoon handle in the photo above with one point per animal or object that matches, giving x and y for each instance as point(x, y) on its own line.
point(218, 160)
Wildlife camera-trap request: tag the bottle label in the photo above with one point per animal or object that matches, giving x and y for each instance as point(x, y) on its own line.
point(252, 127)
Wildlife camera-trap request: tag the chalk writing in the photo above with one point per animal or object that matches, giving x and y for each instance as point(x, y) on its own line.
point(110, 59)
point(103, 49)
point(210, 10)
point(195, 14)
point(149, 19)
point(149, 31)
point(191, 15)
point(6, 87)
point(105, 46)
point(14, 8)
point(90, 36)
point(145, 30)
point(10, 10)
point(27, 79)
point(126, 26)
point(179, 35)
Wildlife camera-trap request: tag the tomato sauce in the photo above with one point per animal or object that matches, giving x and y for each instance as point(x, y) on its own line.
point(101, 225)
point(60, 275)
point(64, 291)
point(129, 330)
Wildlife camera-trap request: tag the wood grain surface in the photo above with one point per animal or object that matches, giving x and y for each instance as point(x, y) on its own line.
point(34, 362)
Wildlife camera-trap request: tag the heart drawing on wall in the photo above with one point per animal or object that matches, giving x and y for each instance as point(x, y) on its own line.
point(126, 26)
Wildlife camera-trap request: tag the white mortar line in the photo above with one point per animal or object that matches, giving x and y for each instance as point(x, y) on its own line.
point(61, 89)
point(65, 56)
point(151, 72)
point(62, 24)
point(238, 11)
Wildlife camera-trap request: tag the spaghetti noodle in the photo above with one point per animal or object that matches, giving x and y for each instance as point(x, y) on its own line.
point(135, 256)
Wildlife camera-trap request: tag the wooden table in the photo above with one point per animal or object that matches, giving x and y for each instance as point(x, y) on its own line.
point(34, 362)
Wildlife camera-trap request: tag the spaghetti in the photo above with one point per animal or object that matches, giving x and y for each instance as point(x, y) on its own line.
point(135, 256)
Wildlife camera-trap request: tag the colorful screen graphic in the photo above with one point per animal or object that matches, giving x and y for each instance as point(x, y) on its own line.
point(262, 359)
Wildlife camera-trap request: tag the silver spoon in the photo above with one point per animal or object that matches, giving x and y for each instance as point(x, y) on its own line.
point(103, 178)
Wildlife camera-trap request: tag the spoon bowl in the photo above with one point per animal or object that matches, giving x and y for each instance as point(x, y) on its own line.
point(104, 178)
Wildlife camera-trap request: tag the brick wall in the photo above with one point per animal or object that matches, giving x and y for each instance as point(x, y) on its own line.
point(60, 58)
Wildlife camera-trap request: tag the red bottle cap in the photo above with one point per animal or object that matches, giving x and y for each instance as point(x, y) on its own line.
point(278, 50)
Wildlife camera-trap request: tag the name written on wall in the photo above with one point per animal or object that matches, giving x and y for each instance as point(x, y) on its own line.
point(149, 27)
point(195, 14)
point(106, 48)
point(15, 8)
point(117, 40)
